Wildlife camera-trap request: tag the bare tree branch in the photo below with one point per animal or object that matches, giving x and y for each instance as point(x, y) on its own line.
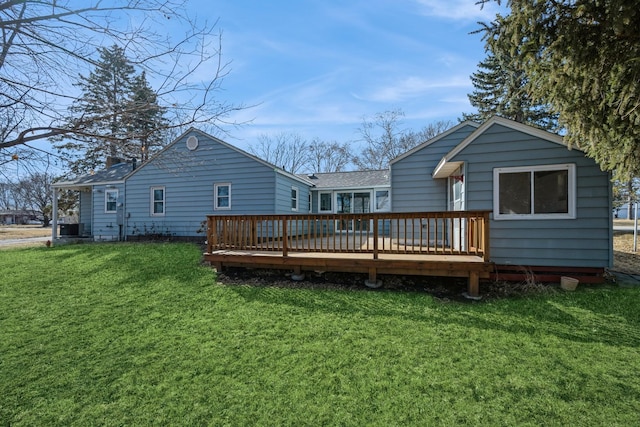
point(46, 44)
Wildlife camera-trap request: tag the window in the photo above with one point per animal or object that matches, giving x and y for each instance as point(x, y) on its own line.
point(382, 200)
point(157, 201)
point(222, 194)
point(294, 198)
point(110, 201)
point(325, 202)
point(534, 192)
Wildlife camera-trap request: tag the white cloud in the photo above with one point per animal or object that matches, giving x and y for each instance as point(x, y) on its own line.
point(459, 10)
point(413, 87)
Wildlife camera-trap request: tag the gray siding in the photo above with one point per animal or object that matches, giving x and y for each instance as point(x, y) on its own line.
point(189, 178)
point(283, 195)
point(413, 189)
point(582, 242)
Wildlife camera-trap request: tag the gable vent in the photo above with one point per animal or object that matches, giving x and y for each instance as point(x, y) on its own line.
point(192, 143)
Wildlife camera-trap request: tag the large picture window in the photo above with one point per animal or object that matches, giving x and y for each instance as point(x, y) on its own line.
point(534, 192)
point(157, 201)
point(110, 201)
point(222, 196)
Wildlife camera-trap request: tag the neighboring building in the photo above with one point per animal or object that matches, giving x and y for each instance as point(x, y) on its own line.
point(550, 206)
point(18, 216)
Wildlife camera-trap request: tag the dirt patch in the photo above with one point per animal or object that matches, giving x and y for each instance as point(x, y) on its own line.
point(445, 289)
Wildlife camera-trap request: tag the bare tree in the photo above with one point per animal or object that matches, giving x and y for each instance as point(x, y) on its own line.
point(46, 43)
point(385, 139)
point(34, 193)
point(286, 150)
point(328, 156)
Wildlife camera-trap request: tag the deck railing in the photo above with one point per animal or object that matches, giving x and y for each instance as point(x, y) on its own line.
point(436, 233)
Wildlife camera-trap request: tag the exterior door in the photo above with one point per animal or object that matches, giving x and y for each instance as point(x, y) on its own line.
point(457, 203)
point(351, 202)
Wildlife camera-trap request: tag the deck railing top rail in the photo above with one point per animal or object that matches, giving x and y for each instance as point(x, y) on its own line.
point(440, 233)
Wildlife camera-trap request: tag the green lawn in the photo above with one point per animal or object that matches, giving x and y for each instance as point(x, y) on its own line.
point(141, 334)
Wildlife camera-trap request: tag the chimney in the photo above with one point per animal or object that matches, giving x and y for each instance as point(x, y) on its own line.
point(111, 161)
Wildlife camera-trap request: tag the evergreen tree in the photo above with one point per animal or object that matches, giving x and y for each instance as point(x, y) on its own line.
point(582, 58)
point(500, 88)
point(118, 112)
point(145, 118)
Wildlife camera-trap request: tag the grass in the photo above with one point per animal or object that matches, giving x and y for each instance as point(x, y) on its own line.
point(141, 334)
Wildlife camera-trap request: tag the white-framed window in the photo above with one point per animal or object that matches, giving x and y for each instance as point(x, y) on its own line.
point(383, 202)
point(294, 198)
point(324, 202)
point(110, 201)
point(539, 192)
point(222, 196)
point(157, 201)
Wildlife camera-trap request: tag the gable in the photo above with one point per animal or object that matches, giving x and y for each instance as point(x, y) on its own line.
point(501, 131)
point(189, 148)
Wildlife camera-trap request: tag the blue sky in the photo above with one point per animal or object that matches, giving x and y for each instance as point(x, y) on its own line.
point(317, 67)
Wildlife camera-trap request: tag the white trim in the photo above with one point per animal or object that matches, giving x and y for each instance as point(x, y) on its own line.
point(572, 190)
point(153, 200)
point(215, 196)
point(106, 192)
point(295, 202)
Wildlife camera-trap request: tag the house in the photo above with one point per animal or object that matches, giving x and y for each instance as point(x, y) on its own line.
point(548, 208)
point(18, 216)
point(170, 195)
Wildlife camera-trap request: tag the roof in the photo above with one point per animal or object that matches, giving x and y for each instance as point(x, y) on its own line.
point(114, 174)
point(354, 179)
point(448, 165)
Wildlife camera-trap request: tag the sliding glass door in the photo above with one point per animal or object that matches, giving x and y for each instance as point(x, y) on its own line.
point(352, 202)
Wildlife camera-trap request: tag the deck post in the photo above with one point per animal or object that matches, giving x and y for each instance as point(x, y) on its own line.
point(473, 289)
point(285, 238)
point(375, 238)
point(486, 255)
point(212, 233)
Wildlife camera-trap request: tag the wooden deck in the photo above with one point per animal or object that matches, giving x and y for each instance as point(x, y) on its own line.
point(450, 244)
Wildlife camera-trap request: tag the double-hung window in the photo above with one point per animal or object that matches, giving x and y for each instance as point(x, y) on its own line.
point(294, 198)
point(110, 201)
point(538, 192)
point(222, 196)
point(157, 201)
